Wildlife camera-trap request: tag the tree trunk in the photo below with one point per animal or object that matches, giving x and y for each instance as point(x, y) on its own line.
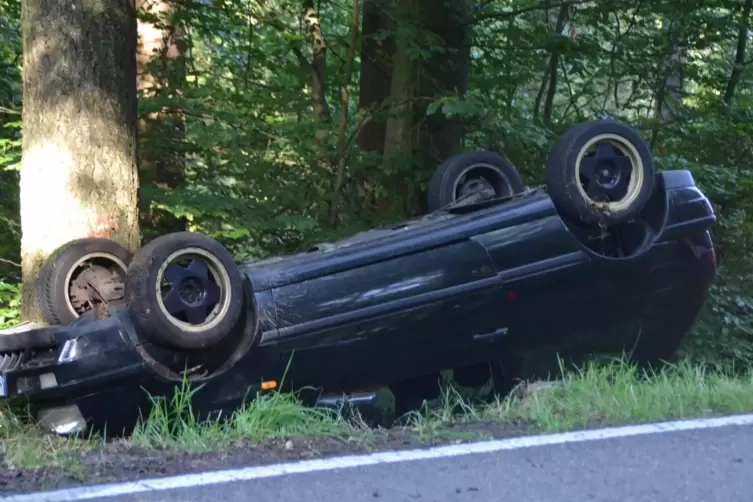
point(444, 74)
point(554, 64)
point(342, 138)
point(313, 28)
point(409, 133)
point(79, 175)
point(160, 59)
point(670, 84)
point(669, 101)
point(375, 75)
point(375, 84)
point(398, 138)
point(742, 42)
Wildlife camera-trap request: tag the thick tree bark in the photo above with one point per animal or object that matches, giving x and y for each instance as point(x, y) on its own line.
point(160, 59)
point(79, 175)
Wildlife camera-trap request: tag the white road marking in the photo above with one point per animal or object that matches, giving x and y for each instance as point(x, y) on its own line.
point(387, 457)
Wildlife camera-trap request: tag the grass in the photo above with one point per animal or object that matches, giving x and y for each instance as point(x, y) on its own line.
point(172, 424)
point(606, 394)
point(598, 394)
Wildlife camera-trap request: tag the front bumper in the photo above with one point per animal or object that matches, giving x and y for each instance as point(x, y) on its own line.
point(55, 366)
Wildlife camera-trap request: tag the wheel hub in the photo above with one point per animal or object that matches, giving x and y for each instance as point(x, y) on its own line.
point(476, 185)
point(191, 293)
point(94, 284)
point(606, 174)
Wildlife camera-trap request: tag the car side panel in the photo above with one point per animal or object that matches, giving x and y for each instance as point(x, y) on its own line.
point(405, 240)
point(393, 318)
point(529, 244)
point(379, 284)
point(554, 285)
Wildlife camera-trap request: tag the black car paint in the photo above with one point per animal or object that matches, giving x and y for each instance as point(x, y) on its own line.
point(441, 291)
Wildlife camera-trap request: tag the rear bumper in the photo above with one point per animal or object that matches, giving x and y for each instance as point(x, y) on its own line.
point(689, 212)
point(54, 367)
point(96, 375)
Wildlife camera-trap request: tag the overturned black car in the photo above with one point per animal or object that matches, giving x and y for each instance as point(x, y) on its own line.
point(610, 257)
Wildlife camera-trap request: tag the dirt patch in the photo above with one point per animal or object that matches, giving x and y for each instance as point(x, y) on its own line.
point(119, 461)
point(29, 480)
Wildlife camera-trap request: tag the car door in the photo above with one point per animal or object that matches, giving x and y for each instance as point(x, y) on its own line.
point(551, 284)
point(391, 319)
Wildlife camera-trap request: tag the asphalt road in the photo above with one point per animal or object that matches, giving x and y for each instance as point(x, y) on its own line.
point(691, 466)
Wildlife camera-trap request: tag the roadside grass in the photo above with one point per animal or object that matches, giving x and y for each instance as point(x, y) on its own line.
point(598, 394)
point(616, 393)
point(24, 445)
point(173, 423)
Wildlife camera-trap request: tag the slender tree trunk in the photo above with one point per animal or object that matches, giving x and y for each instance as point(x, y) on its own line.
point(313, 29)
point(79, 176)
point(669, 91)
point(344, 115)
point(540, 93)
point(160, 59)
point(554, 63)
point(548, 88)
point(671, 81)
point(742, 43)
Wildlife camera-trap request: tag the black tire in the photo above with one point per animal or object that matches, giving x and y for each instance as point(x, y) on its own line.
point(497, 171)
point(564, 169)
point(61, 301)
point(148, 309)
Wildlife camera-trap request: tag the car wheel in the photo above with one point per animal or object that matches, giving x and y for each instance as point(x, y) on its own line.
point(600, 172)
point(474, 172)
point(80, 275)
point(184, 290)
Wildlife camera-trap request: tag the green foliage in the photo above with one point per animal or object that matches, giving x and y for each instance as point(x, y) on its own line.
point(260, 177)
point(10, 156)
point(10, 299)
